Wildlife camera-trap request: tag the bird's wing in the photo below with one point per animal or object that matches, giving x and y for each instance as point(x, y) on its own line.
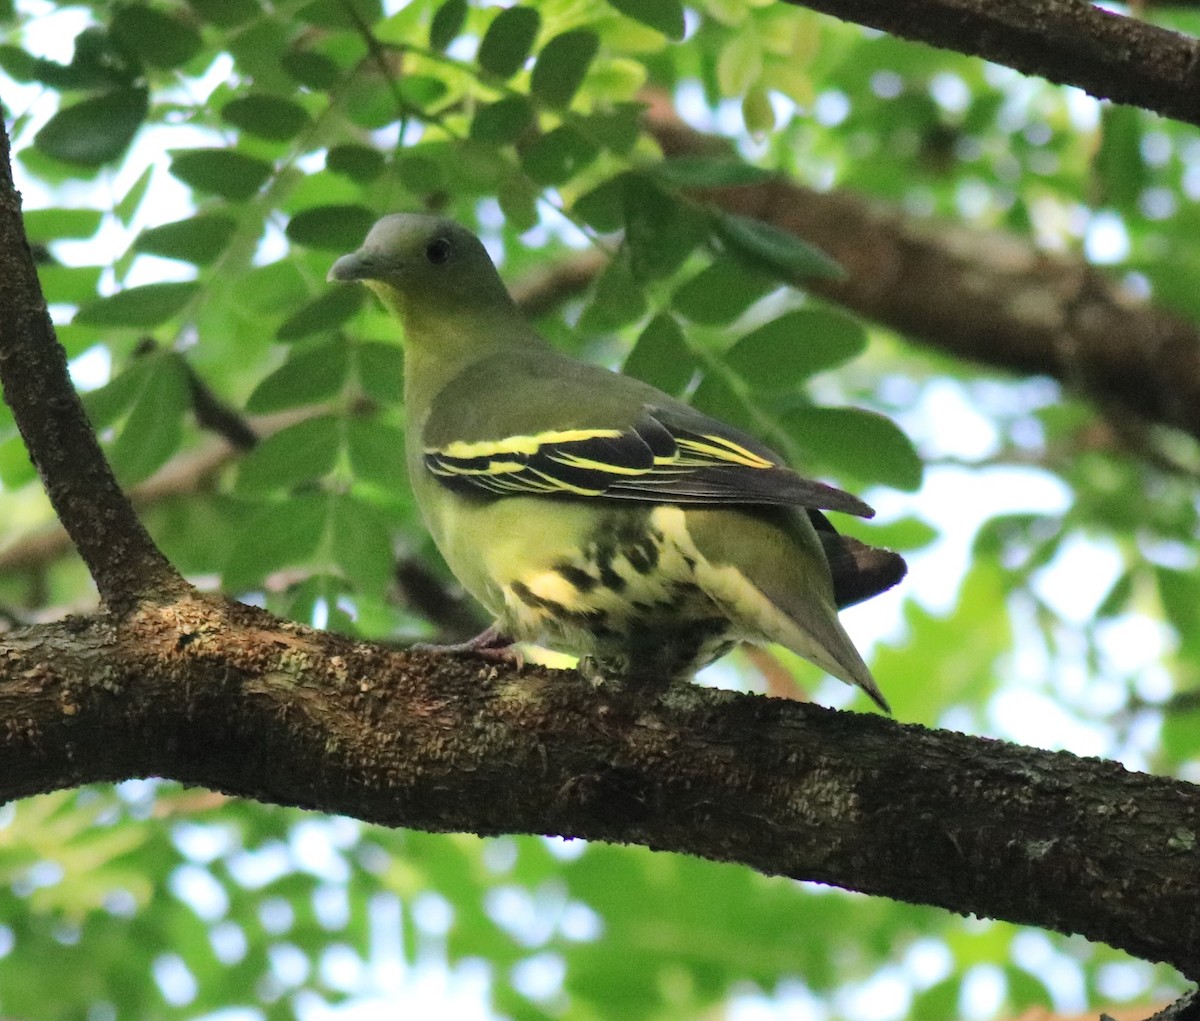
point(668, 455)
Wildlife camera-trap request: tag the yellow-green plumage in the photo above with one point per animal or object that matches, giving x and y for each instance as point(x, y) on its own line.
point(588, 511)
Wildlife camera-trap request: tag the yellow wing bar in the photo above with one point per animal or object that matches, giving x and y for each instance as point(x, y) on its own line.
point(654, 461)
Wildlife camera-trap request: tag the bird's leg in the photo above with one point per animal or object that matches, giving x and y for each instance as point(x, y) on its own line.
point(490, 644)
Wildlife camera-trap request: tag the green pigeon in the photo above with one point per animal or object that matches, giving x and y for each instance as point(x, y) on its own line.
point(590, 512)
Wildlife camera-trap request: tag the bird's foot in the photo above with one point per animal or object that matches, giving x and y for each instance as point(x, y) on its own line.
point(491, 644)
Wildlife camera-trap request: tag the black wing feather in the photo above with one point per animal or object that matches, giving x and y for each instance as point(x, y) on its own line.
point(667, 456)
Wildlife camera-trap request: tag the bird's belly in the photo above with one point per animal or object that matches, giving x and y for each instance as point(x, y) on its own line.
point(627, 589)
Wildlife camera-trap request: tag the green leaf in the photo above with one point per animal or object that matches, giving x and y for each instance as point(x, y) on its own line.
point(18, 64)
point(503, 121)
point(664, 15)
point(96, 65)
point(158, 38)
point(719, 293)
point(1179, 592)
point(785, 351)
point(508, 40)
point(283, 534)
point(1120, 169)
point(618, 300)
point(380, 371)
point(343, 14)
point(562, 65)
point(447, 23)
point(855, 442)
point(270, 117)
point(369, 102)
point(1180, 735)
point(617, 128)
point(422, 90)
point(131, 201)
point(377, 454)
point(1117, 601)
point(518, 198)
point(360, 163)
point(226, 13)
point(558, 155)
point(714, 396)
point(107, 403)
point(145, 306)
point(300, 453)
point(305, 378)
point(757, 111)
point(232, 175)
point(660, 230)
point(361, 543)
point(257, 50)
point(95, 130)
point(337, 228)
point(154, 429)
point(71, 285)
point(942, 999)
point(604, 206)
point(312, 69)
point(419, 173)
point(661, 356)
point(46, 225)
point(324, 313)
point(709, 172)
point(772, 249)
point(904, 535)
point(740, 63)
point(275, 289)
point(16, 470)
point(198, 239)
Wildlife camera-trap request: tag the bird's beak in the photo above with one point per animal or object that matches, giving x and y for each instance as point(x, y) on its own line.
point(355, 266)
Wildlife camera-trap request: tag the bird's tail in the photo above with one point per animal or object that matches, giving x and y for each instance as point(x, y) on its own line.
point(811, 629)
point(770, 571)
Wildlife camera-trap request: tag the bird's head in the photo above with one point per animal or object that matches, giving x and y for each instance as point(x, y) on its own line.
point(425, 266)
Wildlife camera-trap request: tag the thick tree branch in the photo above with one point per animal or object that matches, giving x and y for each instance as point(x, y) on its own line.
point(121, 557)
point(1071, 42)
point(222, 695)
point(982, 295)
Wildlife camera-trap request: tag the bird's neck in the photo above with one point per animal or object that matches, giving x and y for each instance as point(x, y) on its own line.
point(440, 345)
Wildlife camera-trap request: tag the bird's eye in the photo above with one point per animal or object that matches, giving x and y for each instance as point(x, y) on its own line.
point(438, 251)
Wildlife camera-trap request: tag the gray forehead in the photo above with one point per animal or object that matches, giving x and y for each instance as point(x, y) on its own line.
point(400, 228)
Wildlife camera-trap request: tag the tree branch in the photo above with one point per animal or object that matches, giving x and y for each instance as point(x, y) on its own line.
point(981, 295)
point(1071, 42)
point(123, 560)
point(214, 693)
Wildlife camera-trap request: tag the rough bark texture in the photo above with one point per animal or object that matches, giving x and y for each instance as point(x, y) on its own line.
point(218, 694)
point(1071, 42)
